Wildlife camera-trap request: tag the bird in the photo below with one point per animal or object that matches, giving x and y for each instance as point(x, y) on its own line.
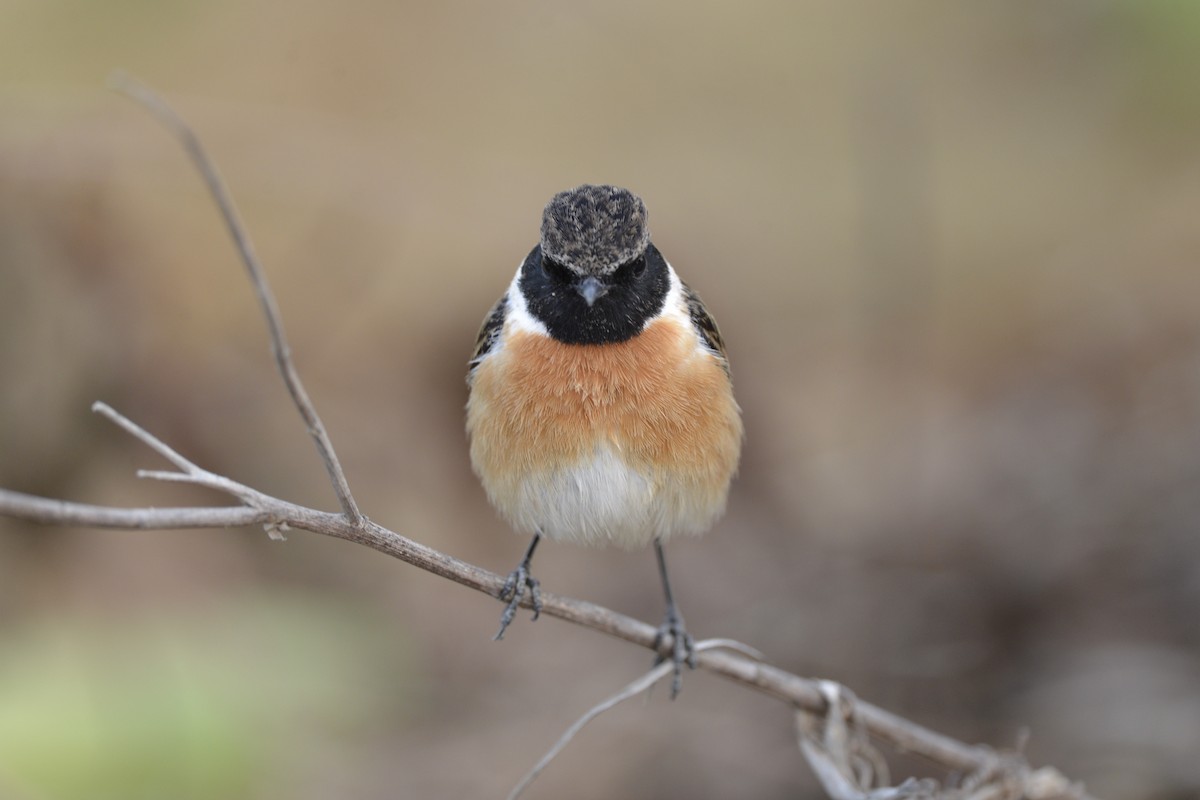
point(601, 409)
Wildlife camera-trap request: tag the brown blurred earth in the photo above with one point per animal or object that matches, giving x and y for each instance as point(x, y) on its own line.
point(952, 248)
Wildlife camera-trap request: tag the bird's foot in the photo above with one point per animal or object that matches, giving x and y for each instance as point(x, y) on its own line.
point(683, 647)
point(519, 580)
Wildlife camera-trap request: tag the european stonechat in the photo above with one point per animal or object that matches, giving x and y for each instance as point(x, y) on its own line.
point(601, 409)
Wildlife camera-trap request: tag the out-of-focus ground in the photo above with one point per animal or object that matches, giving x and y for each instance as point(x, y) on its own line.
point(953, 249)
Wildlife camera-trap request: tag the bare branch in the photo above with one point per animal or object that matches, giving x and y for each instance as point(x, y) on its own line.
point(743, 665)
point(799, 692)
point(150, 100)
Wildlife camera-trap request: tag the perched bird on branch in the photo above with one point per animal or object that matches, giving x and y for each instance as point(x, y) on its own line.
point(601, 410)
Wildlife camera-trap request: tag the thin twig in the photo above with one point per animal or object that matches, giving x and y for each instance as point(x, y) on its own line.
point(733, 644)
point(635, 688)
point(142, 435)
point(164, 476)
point(62, 512)
point(152, 102)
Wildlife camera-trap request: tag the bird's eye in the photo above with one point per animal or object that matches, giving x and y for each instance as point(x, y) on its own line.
point(631, 270)
point(556, 271)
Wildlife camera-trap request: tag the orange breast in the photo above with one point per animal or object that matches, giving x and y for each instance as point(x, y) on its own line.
point(664, 406)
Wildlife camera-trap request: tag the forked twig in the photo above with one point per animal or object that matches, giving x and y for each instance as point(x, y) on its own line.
point(150, 100)
point(192, 473)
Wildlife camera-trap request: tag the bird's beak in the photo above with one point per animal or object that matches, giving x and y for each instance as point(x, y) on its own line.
point(591, 288)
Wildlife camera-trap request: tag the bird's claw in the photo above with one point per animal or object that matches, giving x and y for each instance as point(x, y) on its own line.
point(683, 648)
point(513, 590)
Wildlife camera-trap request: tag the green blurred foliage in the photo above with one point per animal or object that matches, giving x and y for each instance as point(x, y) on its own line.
point(1162, 38)
point(192, 704)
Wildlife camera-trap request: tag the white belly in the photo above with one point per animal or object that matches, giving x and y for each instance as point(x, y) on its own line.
point(598, 502)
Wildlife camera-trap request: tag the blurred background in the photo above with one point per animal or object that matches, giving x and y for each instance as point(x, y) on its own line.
point(952, 248)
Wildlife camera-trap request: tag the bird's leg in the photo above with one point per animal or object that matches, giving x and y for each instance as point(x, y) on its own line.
point(514, 589)
point(683, 647)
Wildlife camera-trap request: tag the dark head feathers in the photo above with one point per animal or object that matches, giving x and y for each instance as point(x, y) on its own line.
point(594, 229)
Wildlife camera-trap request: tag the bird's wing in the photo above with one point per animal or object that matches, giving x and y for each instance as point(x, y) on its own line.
point(489, 332)
point(706, 326)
